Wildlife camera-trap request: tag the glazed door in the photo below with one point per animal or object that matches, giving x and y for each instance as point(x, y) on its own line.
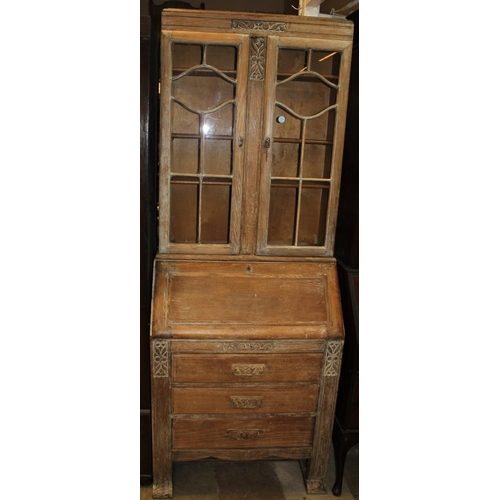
point(202, 112)
point(305, 108)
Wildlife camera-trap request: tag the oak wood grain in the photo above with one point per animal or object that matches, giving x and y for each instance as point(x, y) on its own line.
point(239, 432)
point(246, 325)
point(245, 400)
point(290, 453)
point(238, 367)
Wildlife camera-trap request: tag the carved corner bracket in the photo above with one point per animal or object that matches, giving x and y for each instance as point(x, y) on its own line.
point(161, 348)
point(333, 358)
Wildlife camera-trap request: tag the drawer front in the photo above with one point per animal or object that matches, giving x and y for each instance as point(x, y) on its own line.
point(228, 400)
point(247, 368)
point(242, 432)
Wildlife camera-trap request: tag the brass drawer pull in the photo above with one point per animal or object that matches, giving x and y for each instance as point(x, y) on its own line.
point(243, 434)
point(246, 402)
point(248, 370)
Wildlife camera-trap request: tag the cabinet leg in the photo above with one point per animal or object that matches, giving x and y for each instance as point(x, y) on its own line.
point(318, 463)
point(162, 489)
point(315, 486)
point(160, 421)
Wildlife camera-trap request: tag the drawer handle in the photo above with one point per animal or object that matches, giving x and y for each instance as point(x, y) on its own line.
point(243, 434)
point(248, 370)
point(246, 402)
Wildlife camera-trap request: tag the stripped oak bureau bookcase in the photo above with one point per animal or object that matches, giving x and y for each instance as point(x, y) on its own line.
point(246, 323)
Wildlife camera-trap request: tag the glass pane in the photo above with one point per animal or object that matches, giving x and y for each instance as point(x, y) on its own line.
point(183, 211)
point(285, 124)
point(218, 157)
point(321, 128)
point(326, 63)
point(185, 153)
point(215, 211)
point(307, 96)
point(282, 207)
point(312, 219)
point(219, 122)
point(317, 161)
point(202, 92)
point(223, 57)
point(285, 159)
point(291, 61)
point(185, 56)
point(184, 121)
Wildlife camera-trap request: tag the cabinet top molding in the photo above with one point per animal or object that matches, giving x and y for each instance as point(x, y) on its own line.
point(222, 21)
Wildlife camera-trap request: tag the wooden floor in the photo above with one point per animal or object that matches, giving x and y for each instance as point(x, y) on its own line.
point(279, 480)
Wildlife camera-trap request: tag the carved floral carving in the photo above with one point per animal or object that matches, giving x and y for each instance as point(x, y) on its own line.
point(257, 25)
point(258, 58)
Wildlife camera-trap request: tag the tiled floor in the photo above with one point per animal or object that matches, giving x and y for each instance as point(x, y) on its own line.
point(271, 480)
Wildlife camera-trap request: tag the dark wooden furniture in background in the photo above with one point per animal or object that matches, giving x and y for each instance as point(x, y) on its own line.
point(247, 331)
point(346, 428)
point(148, 239)
point(149, 78)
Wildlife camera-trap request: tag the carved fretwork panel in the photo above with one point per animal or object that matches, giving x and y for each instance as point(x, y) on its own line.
point(160, 358)
point(333, 357)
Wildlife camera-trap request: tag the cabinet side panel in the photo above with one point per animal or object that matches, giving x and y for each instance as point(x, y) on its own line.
point(164, 142)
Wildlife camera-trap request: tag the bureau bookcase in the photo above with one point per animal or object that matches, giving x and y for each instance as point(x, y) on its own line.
point(246, 323)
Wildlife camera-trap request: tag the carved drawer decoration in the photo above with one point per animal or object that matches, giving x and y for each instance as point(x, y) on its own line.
point(243, 434)
point(248, 370)
point(248, 346)
point(244, 402)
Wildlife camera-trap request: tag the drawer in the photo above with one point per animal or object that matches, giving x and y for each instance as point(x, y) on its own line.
point(241, 432)
point(282, 399)
point(247, 368)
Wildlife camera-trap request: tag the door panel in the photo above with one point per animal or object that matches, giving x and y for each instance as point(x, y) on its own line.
point(203, 114)
point(305, 103)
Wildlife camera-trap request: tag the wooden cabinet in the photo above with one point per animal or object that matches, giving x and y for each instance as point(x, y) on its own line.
point(246, 330)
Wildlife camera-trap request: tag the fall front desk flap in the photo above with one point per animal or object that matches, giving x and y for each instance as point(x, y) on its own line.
point(246, 300)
